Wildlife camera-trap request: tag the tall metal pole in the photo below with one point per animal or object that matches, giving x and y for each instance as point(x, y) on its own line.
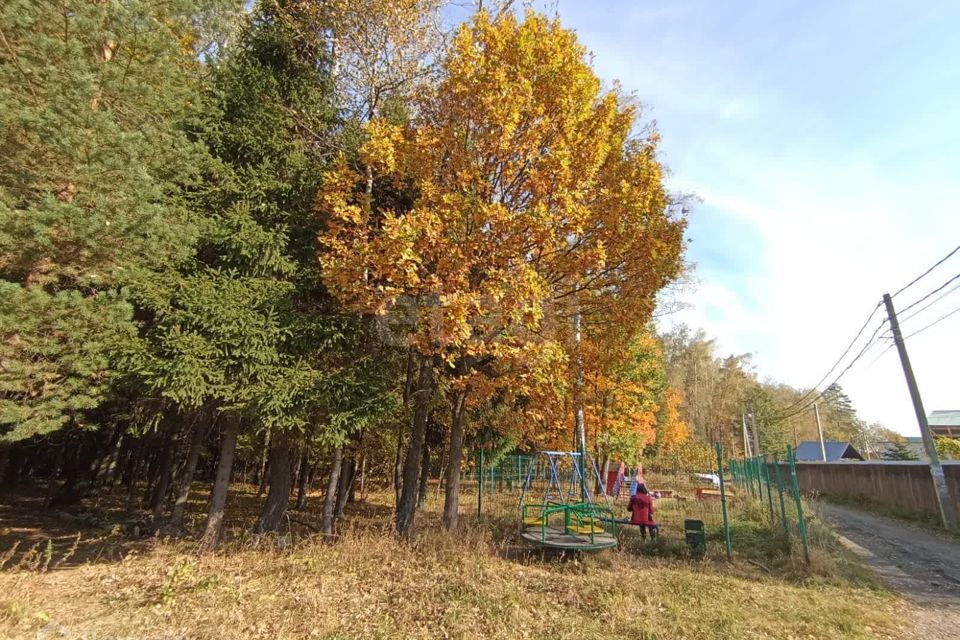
point(480, 486)
point(944, 502)
point(746, 439)
point(723, 502)
point(823, 447)
point(579, 419)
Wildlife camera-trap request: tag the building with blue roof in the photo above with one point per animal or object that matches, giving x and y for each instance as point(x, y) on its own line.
point(809, 451)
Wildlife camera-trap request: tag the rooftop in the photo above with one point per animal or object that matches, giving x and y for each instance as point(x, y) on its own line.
point(948, 418)
point(809, 450)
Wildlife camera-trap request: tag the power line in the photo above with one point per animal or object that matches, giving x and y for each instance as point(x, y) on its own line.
point(795, 407)
point(927, 272)
point(843, 355)
point(875, 360)
point(870, 342)
point(932, 302)
point(935, 291)
point(937, 321)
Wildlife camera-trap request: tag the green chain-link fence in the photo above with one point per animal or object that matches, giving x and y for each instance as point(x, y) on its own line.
point(735, 502)
point(773, 483)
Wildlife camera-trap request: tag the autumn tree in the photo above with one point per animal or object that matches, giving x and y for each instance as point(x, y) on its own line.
point(526, 186)
point(674, 432)
point(713, 388)
point(94, 164)
point(624, 392)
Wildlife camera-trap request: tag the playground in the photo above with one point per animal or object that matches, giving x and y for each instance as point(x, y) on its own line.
point(558, 503)
point(486, 582)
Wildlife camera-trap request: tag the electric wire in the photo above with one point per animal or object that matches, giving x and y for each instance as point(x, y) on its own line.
point(937, 321)
point(935, 291)
point(926, 273)
point(931, 303)
point(795, 407)
point(843, 355)
point(870, 342)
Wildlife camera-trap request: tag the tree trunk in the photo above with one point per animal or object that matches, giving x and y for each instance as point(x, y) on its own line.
point(406, 509)
point(304, 479)
point(153, 469)
point(102, 463)
point(424, 477)
point(264, 463)
point(398, 466)
point(408, 385)
point(347, 471)
point(451, 495)
point(278, 497)
point(134, 472)
point(363, 478)
point(189, 470)
point(221, 485)
point(333, 481)
point(352, 487)
point(165, 471)
point(109, 469)
point(54, 474)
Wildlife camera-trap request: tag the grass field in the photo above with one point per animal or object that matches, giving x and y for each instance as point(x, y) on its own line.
point(368, 584)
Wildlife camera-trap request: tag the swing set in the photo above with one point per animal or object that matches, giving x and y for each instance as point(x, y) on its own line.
point(566, 517)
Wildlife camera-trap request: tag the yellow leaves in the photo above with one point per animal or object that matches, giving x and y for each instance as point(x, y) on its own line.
point(520, 193)
point(380, 150)
point(675, 432)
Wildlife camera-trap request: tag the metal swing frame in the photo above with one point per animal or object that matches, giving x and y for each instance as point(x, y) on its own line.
point(586, 526)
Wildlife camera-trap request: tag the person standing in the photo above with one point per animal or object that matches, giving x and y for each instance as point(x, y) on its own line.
point(641, 512)
point(637, 480)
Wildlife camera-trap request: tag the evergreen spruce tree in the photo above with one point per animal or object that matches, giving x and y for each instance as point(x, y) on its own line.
point(898, 451)
point(95, 100)
point(247, 329)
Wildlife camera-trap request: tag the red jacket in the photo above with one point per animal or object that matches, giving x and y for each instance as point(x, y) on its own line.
point(641, 509)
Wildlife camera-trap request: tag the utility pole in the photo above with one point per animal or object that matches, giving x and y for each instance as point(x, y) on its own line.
point(823, 447)
point(746, 438)
point(944, 502)
point(580, 434)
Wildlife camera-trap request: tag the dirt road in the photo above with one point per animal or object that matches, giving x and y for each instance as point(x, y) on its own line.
point(925, 568)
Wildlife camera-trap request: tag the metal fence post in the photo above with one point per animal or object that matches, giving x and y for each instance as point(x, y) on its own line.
point(491, 479)
point(801, 524)
point(756, 470)
point(480, 486)
point(783, 504)
point(766, 477)
point(723, 502)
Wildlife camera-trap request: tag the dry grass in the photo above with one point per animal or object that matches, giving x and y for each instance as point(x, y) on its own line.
point(369, 584)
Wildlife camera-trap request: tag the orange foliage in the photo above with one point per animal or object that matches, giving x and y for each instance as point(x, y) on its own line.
point(675, 432)
point(531, 194)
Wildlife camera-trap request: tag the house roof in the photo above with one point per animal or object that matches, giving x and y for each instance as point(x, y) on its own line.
point(950, 418)
point(809, 451)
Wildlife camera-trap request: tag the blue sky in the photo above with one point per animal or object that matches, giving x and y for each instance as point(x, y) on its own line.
point(824, 141)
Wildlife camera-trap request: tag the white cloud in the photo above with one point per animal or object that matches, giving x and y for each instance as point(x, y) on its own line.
point(830, 249)
point(829, 135)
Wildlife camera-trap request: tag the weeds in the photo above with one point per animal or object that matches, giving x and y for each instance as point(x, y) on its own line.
point(478, 583)
point(35, 560)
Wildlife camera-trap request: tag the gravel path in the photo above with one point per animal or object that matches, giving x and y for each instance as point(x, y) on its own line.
point(925, 568)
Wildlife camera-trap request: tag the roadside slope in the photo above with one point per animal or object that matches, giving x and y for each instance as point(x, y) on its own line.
point(925, 568)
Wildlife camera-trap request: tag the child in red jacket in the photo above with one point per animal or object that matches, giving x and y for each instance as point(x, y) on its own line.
point(641, 512)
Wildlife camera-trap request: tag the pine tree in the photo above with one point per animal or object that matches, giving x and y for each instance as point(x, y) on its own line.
point(247, 328)
point(95, 100)
point(898, 451)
